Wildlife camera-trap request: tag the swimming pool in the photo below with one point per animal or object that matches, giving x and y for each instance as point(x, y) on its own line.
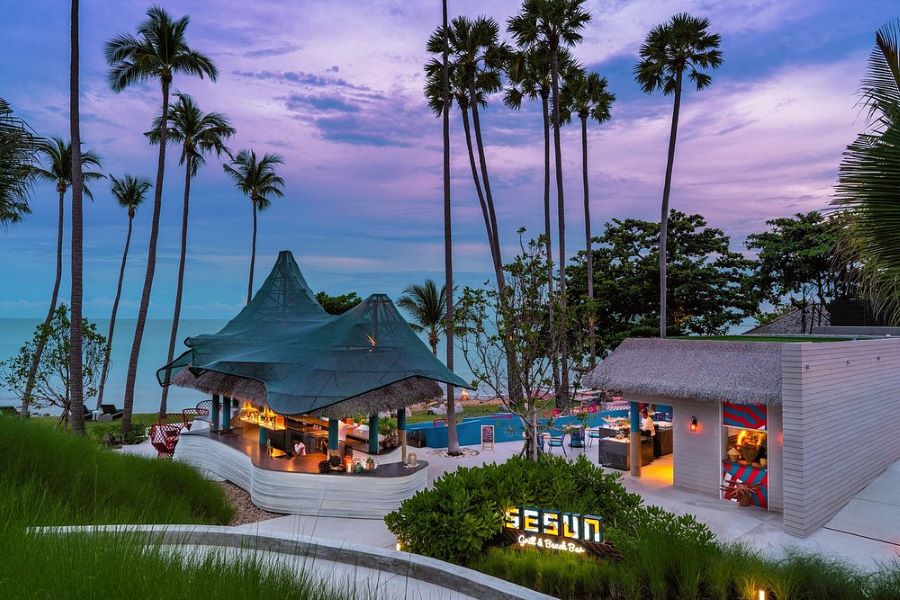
point(507, 427)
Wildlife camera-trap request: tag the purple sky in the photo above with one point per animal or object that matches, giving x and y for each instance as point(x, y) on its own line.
point(336, 88)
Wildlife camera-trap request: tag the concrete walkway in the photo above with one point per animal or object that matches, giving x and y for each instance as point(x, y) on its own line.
point(874, 513)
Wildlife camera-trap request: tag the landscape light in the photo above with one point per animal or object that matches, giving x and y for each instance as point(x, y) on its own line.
point(694, 428)
point(762, 594)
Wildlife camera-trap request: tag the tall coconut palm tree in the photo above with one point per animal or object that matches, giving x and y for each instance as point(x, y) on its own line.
point(452, 436)
point(475, 62)
point(585, 95)
point(428, 308)
point(870, 177)
point(681, 44)
point(129, 192)
point(158, 52)
point(58, 157)
point(554, 24)
point(18, 150)
point(198, 133)
point(530, 77)
point(76, 374)
point(259, 181)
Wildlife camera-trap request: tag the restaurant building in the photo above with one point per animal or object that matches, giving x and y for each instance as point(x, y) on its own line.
point(285, 375)
point(802, 426)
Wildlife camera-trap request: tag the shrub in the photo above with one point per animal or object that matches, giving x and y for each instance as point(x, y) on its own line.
point(106, 433)
point(462, 513)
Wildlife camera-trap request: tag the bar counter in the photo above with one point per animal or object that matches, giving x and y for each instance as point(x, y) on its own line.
point(294, 485)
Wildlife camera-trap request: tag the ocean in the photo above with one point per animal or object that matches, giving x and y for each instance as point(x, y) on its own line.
point(15, 332)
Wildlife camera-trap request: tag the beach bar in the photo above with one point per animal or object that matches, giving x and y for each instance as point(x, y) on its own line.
point(296, 398)
point(796, 427)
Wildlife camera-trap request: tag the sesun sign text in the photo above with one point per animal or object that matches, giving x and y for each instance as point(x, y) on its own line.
point(553, 530)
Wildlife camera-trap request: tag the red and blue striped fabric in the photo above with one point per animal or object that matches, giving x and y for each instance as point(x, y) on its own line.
point(750, 476)
point(748, 416)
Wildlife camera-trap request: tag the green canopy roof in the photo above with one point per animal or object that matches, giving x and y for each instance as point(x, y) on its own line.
point(306, 358)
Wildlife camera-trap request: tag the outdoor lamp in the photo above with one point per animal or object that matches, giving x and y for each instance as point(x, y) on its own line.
point(762, 595)
point(694, 428)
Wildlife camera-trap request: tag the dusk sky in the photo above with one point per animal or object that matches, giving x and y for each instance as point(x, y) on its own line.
point(336, 88)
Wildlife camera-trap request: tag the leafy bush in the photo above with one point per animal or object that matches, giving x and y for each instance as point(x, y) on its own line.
point(111, 432)
point(463, 511)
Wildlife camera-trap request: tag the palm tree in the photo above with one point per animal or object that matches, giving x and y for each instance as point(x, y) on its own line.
point(76, 375)
point(129, 192)
point(58, 155)
point(681, 44)
point(585, 95)
point(198, 133)
point(159, 51)
point(554, 24)
point(18, 148)
point(428, 309)
point(258, 180)
point(530, 77)
point(870, 177)
point(452, 436)
point(475, 61)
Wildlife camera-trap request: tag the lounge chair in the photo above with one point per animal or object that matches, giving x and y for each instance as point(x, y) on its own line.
point(109, 412)
point(576, 438)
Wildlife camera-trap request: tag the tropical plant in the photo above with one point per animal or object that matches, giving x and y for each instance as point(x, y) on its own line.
point(52, 384)
point(585, 95)
point(870, 176)
point(158, 52)
point(75, 381)
point(475, 62)
point(18, 150)
point(337, 305)
point(712, 287)
point(259, 181)
point(681, 44)
point(129, 192)
point(554, 24)
point(58, 157)
point(428, 309)
point(199, 134)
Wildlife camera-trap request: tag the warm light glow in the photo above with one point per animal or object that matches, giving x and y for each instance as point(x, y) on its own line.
point(693, 423)
point(464, 395)
point(399, 546)
point(762, 594)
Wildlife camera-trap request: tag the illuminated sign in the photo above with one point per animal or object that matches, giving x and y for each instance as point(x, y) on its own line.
point(552, 529)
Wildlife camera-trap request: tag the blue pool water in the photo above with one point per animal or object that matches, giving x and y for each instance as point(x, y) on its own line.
point(507, 427)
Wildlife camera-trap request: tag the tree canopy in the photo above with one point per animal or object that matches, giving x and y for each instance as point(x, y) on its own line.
point(337, 305)
point(710, 286)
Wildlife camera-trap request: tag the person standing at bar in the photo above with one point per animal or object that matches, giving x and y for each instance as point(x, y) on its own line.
point(648, 429)
point(344, 427)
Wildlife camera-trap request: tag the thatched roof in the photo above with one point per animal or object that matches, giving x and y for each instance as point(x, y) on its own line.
point(715, 371)
point(400, 394)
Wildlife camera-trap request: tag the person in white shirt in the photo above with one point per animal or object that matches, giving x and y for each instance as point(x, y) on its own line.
point(648, 428)
point(299, 447)
point(344, 427)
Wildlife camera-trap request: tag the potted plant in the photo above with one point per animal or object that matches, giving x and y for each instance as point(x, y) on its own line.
point(740, 491)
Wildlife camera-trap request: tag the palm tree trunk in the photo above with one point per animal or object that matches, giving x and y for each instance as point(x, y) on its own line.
point(54, 298)
point(664, 212)
point(545, 108)
point(76, 377)
point(495, 249)
point(474, 166)
point(452, 436)
point(561, 216)
point(587, 242)
point(115, 309)
point(252, 254)
point(151, 264)
point(176, 314)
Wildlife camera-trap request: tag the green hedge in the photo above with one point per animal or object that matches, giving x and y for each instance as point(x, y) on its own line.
point(461, 515)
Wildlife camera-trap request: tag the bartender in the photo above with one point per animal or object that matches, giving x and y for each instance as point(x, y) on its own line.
point(299, 448)
point(344, 427)
point(648, 429)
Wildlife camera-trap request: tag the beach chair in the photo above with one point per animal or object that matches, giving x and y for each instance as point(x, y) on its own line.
point(189, 414)
point(109, 412)
point(593, 434)
point(555, 439)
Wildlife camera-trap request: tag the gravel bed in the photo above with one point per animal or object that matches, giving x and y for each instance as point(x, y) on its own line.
point(244, 510)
